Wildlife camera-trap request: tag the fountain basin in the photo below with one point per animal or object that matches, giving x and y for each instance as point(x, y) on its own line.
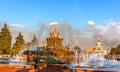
point(94, 68)
point(10, 61)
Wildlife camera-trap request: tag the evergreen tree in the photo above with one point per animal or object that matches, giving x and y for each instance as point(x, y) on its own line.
point(31, 45)
point(118, 50)
point(112, 51)
point(0, 44)
point(5, 40)
point(34, 42)
point(115, 51)
point(19, 44)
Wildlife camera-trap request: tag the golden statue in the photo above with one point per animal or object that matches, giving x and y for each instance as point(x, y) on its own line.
point(54, 34)
point(54, 39)
point(54, 42)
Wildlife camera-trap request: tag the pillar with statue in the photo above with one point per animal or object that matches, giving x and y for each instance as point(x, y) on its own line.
point(54, 42)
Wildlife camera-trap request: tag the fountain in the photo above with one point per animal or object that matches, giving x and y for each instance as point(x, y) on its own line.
point(84, 61)
point(93, 61)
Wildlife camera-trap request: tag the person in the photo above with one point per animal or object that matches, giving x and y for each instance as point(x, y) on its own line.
point(40, 69)
point(44, 65)
point(32, 69)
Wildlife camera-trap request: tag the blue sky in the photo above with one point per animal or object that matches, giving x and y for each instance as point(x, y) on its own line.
point(92, 17)
point(77, 12)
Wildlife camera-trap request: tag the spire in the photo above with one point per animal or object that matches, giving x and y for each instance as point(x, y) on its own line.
point(99, 45)
point(98, 38)
point(99, 42)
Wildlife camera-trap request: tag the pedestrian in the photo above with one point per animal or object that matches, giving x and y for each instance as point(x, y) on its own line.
point(32, 69)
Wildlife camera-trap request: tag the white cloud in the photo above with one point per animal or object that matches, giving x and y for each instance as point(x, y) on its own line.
point(53, 23)
point(90, 22)
point(16, 25)
point(98, 29)
point(109, 34)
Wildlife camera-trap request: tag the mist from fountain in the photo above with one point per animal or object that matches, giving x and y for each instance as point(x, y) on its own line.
point(93, 60)
point(66, 32)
